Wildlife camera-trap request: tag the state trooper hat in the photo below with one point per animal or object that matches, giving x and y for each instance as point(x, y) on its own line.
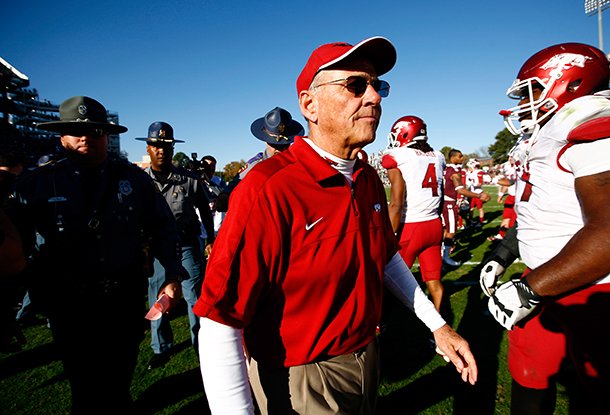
point(80, 114)
point(277, 127)
point(160, 132)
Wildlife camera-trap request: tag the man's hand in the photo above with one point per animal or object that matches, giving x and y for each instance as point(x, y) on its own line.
point(456, 350)
point(207, 250)
point(484, 197)
point(512, 302)
point(490, 274)
point(173, 289)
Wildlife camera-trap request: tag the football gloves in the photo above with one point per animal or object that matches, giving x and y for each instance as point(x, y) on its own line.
point(500, 259)
point(489, 277)
point(512, 302)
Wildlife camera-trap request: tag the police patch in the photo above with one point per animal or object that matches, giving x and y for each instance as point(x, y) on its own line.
point(125, 187)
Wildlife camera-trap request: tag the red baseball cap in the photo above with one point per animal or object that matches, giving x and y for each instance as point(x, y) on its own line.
point(377, 50)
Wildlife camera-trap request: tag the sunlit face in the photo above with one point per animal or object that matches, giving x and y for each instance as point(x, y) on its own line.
point(161, 155)
point(91, 148)
point(343, 115)
point(457, 158)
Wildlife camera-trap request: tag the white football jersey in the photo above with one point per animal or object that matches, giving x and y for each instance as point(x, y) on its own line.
point(509, 170)
point(548, 212)
point(423, 176)
point(474, 180)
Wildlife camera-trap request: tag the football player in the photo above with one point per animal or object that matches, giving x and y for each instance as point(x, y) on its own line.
point(554, 311)
point(415, 171)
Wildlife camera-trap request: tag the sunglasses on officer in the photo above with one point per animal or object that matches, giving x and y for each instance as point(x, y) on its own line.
point(357, 85)
point(83, 131)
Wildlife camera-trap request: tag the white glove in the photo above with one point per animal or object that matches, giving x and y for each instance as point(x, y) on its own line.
point(512, 301)
point(489, 277)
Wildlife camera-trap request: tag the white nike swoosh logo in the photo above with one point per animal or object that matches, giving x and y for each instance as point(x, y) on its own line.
point(311, 225)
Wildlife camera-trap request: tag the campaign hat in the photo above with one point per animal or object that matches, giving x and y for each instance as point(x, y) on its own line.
point(379, 51)
point(160, 132)
point(79, 114)
point(276, 127)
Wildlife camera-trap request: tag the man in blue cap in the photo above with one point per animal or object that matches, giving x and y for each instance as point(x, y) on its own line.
point(184, 193)
point(97, 216)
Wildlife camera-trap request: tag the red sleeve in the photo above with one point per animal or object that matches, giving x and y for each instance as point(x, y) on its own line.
point(591, 130)
point(388, 162)
point(236, 271)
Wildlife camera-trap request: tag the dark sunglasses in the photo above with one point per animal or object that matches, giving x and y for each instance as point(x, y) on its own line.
point(357, 85)
point(81, 131)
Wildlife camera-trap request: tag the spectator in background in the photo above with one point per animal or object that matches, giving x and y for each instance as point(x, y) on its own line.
point(12, 257)
point(217, 191)
point(184, 194)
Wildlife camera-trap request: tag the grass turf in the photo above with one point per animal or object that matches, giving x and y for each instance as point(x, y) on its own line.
point(414, 379)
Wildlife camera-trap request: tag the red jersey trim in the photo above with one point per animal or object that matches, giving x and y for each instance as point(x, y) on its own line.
point(591, 130)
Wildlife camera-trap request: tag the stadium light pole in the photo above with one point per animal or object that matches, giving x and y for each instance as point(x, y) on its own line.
point(597, 6)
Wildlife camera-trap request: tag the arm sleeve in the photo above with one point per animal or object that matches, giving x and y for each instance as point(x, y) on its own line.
point(160, 226)
point(401, 282)
point(223, 369)
point(588, 158)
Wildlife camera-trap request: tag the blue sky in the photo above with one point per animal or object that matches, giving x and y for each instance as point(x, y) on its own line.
point(210, 68)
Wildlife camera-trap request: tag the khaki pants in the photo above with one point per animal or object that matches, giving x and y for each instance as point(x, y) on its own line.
point(345, 384)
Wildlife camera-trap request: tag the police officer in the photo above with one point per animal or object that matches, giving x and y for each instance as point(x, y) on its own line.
point(184, 193)
point(277, 129)
point(96, 215)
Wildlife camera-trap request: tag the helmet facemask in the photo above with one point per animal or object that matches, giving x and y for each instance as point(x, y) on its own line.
point(525, 117)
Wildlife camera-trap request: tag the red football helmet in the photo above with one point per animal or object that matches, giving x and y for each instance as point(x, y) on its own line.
point(562, 72)
point(406, 130)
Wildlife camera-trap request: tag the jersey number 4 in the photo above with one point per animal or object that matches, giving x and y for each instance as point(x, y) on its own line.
point(430, 181)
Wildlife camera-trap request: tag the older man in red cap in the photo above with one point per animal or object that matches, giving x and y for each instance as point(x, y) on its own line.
point(304, 252)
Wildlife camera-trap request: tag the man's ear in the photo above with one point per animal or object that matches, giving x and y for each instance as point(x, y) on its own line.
point(309, 105)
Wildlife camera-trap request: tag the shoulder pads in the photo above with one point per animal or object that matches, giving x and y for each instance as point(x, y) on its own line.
point(591, 130)
point(388, 162)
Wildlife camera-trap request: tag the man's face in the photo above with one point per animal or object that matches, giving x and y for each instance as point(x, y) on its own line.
point(273, 149)
point(161, 155)
point(90, 148)
point(536, 93)
point(343, 114)
point(209, 167)
point(457, 158)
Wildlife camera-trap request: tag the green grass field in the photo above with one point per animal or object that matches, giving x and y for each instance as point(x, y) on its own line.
point(414, 379)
